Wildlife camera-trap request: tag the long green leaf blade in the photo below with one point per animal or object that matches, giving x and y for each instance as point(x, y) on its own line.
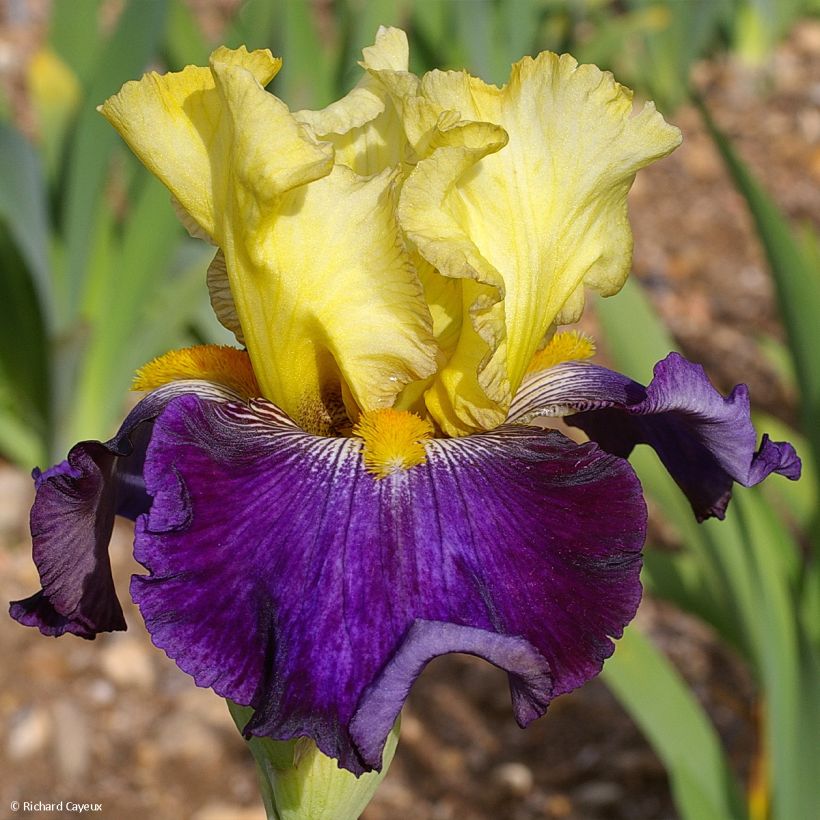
point(140, 264)
point(23, 208)
point(125, 56)
point(787, 665)
point(24, 367)
point(75, 34)
point(656, 698)
point(796, 277)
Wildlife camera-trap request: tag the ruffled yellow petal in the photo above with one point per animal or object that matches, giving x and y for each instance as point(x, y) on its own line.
point(527, 226)
point(444, 300)
point(466, 393)
point(364, 126)
point(321, 281)
point(336, 290)
point(314, 268)
point(175, 124)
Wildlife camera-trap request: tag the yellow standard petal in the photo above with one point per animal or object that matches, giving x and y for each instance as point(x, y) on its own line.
point(331, 283)
point(326, 299)
point(172, 122)
point(528, 225)
point(364, 126)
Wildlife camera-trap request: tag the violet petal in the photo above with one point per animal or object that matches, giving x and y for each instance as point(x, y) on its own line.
point(288, 578)
point(706, 441)
point(73, 516)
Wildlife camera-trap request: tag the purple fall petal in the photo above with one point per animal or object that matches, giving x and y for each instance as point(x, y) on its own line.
point(288, 578)
point(706, 441)
point(72, 519)
point(530, 681)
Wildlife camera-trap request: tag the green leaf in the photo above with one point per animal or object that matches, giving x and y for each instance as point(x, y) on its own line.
point(360, 24)
point(431, 44)
point(124, 57)
point(24, 365)
point(307, 79)
point(797, 280)
point(164, 325)
point(185, 42)
point(724, 592)
point(19, 441)
point(23, 208)
point(747, 578)
point(797, 500)
point(671, 49)
point(787, 663)
point(520, 19)
point(476, 29)
point(139, 265)
point(75, 34)
point(253, 24)
point(659, 701)
point(715, 584)
point(634, 353)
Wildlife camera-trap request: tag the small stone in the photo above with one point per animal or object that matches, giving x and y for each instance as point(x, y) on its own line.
point(224, 811)
point(599, 795)
point(558, 805)
point(72, 741)
point(101, 691)
point(516, 778)
point(184, 737)
point(126, 663)
point(30, 730)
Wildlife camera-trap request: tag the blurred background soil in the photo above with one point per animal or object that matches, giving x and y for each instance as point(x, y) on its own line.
point(115, 722)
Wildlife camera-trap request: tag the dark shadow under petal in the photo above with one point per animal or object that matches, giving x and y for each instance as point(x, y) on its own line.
point(299, 582)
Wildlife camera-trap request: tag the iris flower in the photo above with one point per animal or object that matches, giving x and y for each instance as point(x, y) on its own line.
point(363, 485)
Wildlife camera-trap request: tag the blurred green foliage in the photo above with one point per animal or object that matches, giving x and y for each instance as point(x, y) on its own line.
point(98, 278)
point(93, 259)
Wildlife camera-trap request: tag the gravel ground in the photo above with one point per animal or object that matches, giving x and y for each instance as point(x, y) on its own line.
point(115, 722)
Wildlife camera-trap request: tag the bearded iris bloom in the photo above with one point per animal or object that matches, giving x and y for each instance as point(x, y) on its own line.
point(363, 486)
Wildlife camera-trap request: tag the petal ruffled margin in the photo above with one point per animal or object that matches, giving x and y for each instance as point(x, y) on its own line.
point(300, 236)
point(706, 441)
point(364, 127)
point(73, 517)
point(526, 225)
point(288, 578)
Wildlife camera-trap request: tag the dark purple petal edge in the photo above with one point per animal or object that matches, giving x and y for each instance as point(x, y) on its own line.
point(706, 441)
point(530, 679)
point(72, 519)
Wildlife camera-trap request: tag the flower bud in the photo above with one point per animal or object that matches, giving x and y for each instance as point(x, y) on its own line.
point(298, 782)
